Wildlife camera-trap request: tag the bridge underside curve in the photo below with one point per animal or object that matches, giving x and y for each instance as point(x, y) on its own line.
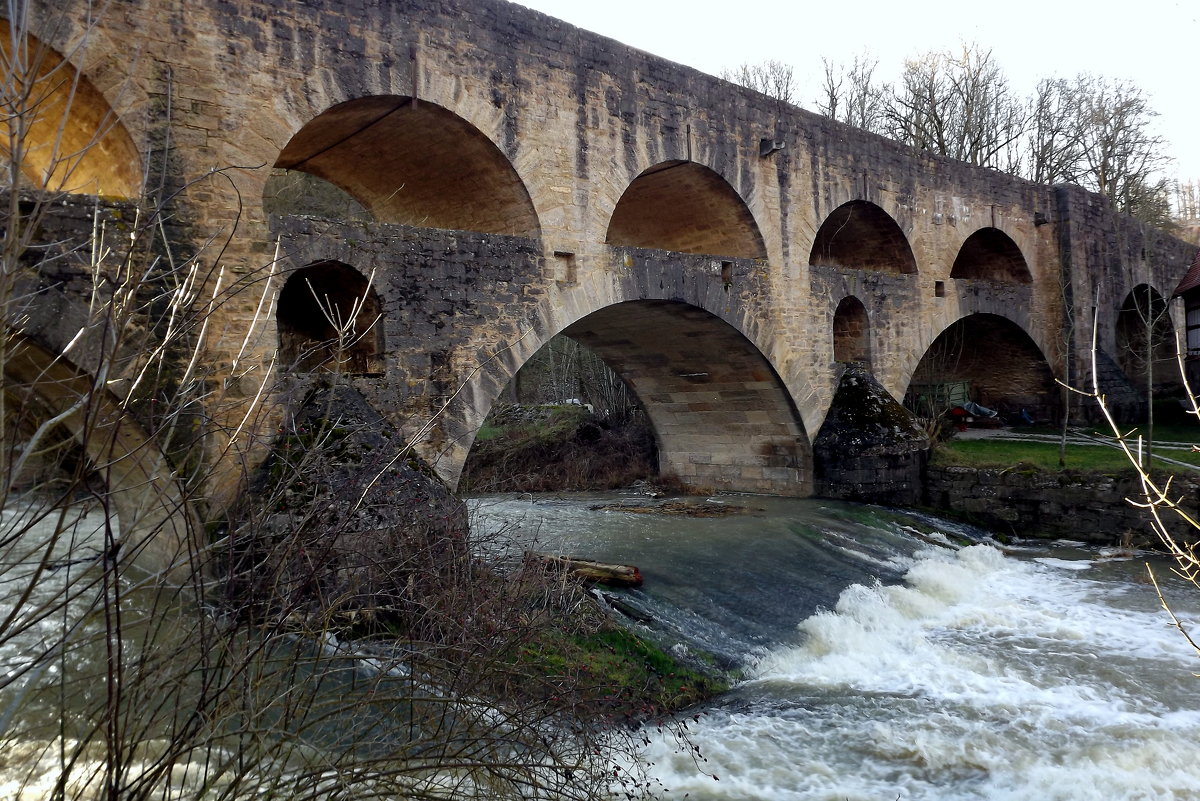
point(721, 416)
point(45, 395)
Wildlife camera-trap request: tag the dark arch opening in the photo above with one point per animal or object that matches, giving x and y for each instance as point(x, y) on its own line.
point(1146, 340)
point(688, 208)
point(403, 161)
point(989, 360)
point(330, 318)
point(861, 236)
point(851, 332)
point(989, 254)
point(72, 141)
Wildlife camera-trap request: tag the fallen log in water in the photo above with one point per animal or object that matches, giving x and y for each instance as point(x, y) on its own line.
point(599, 572)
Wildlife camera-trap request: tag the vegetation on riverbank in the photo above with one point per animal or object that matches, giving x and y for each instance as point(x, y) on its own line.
point(1005, 453)
point(624, 677)
point(557, 447)
point(1088, 450)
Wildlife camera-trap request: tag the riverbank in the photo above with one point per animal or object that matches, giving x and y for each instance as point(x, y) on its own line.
point(552, 447)
point(1010, 482)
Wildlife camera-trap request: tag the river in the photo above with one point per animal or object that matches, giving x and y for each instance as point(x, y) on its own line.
point(874, 663)
point(877, 666)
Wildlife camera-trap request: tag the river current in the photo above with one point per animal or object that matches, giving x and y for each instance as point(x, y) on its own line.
point(877, 665)
point(879, 658)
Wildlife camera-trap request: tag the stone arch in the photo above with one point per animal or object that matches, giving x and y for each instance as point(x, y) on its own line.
point(851, 332)
point(721, 415)
point(861, 236)
point(1145, 335)
point(329, 317)
point(410, 162)
point(989, 254)
point(688, 208)
point(157, 525)
point(74, 141)
point(988, 359)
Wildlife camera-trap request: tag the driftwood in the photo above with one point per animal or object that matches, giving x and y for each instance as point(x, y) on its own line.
point(673, 508)
point(596, 572)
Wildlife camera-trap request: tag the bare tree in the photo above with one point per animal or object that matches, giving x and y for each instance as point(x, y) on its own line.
point(851, 95)
point(958, 105)
point(1187, 200)
point(1120, 156)
point(773, 78)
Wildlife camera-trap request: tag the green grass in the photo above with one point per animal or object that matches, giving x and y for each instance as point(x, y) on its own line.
point(636, 677)
point(1163, 432)
point(1044, 456)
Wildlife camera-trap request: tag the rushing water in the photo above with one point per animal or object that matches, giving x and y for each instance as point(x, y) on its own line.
point(879, 666)
point(875, 663)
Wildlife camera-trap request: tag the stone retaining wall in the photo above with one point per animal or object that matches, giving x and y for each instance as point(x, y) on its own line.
point(1091, 508)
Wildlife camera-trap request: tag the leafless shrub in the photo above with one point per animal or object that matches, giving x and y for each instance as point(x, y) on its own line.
point(130, 666)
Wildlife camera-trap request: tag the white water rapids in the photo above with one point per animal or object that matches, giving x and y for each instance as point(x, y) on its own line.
point(1039, 675)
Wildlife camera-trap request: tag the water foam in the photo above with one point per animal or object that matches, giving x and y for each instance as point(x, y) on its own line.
point(981, 677)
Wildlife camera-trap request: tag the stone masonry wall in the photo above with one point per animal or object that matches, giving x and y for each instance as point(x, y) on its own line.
point(218, 90)
point(1091, 509)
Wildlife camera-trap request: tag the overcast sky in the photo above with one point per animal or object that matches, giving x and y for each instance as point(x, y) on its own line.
point(1154, 43)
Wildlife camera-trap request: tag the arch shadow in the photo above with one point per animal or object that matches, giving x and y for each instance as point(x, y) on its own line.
point(989, 254)
point(402, 161)
point(1145, 340)
point(722, 417)
point(987, 359)
point(859, 235)
point(685, 207)
point(851, 332)
point(329, 317)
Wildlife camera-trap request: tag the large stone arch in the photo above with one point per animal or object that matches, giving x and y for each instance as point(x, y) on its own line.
point(158, 528)
point(722, 416)
point(412, 162)
point(1145, 336)
point(989, 254)
point(71, 139)
point(989, 359)
point(685, 207)
point(860, 235)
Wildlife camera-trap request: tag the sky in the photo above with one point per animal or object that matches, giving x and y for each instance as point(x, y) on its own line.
point(1153, 43)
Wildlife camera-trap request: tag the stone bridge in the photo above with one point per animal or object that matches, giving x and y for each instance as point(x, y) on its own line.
point(419, 194)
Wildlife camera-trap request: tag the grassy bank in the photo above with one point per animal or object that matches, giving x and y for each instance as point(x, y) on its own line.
point(1171, 443)
point(622, 675)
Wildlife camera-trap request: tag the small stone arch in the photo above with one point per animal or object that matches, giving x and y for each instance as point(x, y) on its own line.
point(404, 161)
point(988, 359)
point(851, 332)
point(330, 318)
point(1145, 336)
point(74, 141)
point(989, 254)
point(687, 208)
point(861, 236)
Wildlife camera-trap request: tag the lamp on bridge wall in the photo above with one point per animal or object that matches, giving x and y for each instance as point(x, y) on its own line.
point(768, 146)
